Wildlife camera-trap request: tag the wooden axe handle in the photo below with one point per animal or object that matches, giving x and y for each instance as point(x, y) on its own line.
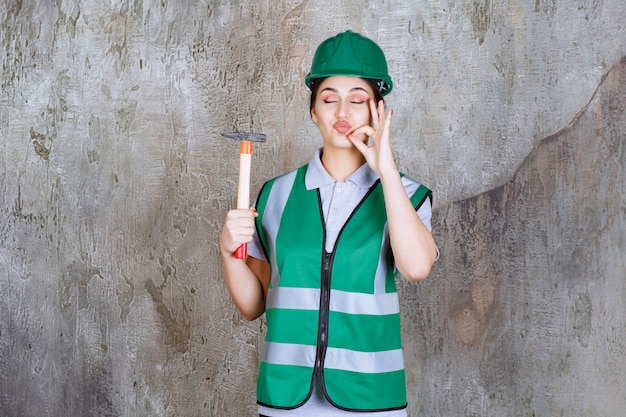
point(243, 190)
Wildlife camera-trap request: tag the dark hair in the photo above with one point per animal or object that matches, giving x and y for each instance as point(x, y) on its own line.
point(316, 82)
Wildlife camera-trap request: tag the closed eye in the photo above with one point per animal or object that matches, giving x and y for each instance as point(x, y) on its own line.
point(358, 99)
point(329, 97)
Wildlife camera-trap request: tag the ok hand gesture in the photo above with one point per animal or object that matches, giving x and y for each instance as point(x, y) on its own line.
point(378, 154)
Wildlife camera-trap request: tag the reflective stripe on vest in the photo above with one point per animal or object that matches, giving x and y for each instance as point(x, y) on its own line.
point(336, 358)
point(340, 301)
point(360, 352)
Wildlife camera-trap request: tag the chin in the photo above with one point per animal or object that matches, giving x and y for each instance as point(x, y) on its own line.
point(341, 142)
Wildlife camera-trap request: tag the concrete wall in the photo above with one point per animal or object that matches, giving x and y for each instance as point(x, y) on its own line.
point(114, 182)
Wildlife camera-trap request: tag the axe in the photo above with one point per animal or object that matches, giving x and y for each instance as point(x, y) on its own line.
point(243, 190)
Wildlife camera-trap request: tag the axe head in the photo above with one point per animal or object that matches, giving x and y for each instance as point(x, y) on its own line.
point(246, 136)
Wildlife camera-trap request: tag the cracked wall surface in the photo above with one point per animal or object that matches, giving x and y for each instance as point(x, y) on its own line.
point(114, 183)
point(525, 313)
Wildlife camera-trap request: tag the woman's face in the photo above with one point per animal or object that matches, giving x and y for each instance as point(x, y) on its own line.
point(341, 106)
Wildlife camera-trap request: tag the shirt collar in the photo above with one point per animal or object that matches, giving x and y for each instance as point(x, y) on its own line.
point(317, 176)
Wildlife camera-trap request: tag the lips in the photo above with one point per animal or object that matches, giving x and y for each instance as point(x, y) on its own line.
point(342, 127)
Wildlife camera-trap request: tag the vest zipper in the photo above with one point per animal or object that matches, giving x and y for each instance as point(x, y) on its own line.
point(322, 335)
point(327, 261)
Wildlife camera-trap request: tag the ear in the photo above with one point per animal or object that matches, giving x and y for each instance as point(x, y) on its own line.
point(313, 116)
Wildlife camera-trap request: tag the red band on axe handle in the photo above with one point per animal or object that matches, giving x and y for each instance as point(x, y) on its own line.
point(242, 251)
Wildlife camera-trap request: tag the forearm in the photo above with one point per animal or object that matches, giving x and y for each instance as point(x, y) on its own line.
point(244, 286)
point(412, 243)
point(246, 280)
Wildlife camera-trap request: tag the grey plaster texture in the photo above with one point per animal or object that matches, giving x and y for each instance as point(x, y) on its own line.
point(115, 181)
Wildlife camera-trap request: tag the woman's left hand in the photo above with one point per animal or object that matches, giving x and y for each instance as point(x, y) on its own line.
point(378, 154)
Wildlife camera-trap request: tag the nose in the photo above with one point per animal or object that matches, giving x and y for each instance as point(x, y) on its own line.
point(343, 110)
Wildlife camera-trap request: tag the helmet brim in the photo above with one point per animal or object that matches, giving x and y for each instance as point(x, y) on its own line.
point(384, 87)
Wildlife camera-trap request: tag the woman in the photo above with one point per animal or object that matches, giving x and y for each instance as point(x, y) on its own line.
point(326, 243)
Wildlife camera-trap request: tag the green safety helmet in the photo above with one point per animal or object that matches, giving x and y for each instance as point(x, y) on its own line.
point(351, 54)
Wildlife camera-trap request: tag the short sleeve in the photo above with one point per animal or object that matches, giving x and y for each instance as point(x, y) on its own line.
point(425, 213)
point(254, 248)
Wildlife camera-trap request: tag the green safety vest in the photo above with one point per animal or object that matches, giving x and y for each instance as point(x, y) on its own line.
point(335, 315)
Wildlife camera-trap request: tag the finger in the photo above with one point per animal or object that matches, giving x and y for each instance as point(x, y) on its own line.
point(388, 122)
point(384, 137)
point(375, 114)
point(242, 213)
point(237, 231)
point(363, 130)
point(233, 236)
point(381, 108)
point(242, 233)
point(240, 219)
point(359, 144)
